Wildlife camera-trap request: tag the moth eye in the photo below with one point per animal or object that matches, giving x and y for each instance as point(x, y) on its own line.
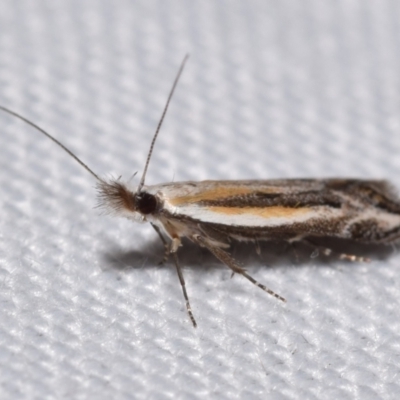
point(146, 203)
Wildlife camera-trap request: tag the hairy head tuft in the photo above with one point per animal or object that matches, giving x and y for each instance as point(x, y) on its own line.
point(115, 197)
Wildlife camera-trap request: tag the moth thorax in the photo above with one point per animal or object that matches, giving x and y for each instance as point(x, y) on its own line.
point(145, 203)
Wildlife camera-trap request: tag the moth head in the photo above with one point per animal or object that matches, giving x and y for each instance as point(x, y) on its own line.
point(117, 198)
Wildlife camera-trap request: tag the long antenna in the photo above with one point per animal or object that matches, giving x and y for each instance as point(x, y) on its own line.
point(160, 123)
point(51, 138)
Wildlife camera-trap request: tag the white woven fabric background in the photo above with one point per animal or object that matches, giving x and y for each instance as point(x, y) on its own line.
point(272, 89)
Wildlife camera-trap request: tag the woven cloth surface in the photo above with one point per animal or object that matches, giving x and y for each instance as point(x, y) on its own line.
point(273, 89)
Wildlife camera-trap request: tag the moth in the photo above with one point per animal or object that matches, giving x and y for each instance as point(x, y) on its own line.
point(213, 213)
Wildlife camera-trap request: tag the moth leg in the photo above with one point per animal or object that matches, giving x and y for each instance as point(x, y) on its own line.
point(165, 243)
point(171, 248)
point(327, 252)
point(230, 262)
point(183, 285)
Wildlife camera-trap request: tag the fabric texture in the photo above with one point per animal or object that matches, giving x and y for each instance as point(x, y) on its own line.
point(272, 89)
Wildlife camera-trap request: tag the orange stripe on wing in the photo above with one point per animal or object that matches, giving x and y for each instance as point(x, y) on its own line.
point(219, 193)
point(263, 212)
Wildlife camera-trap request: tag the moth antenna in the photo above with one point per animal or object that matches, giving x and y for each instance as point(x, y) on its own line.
point(6, 110)
point(160, 123)
point(132, 176)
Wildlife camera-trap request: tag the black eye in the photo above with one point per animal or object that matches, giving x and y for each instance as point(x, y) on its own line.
point(146, 203)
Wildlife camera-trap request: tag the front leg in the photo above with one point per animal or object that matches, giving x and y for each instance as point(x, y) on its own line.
point(171, 248)
point(167, 248)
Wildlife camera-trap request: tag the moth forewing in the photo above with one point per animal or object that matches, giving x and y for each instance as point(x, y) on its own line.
point(291, 209)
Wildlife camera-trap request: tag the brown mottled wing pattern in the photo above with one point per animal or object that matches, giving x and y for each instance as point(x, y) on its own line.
point(363, 210)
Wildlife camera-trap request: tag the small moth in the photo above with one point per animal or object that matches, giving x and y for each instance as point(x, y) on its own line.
point(212, 213)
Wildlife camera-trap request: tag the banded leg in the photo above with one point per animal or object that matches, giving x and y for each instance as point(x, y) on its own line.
point(230, 262)
point(327, 252)
point(183, 285)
